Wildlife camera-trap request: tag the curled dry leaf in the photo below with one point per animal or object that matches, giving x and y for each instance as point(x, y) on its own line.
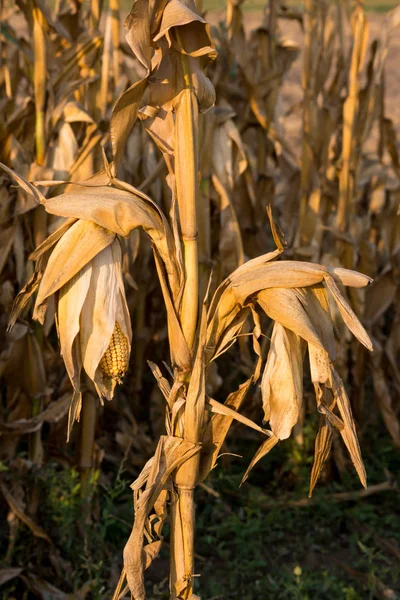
point(323, 445)
point(9, 573)
point(294, 294)
point(218, 428)
point(81, 264)
point(282, 381)
point(168, 30)
point(52, 414)
point(17, 509)
point(259, 275)
point(171, 452)
point(261, 452)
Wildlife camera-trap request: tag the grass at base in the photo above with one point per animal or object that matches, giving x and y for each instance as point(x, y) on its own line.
point(252, 547)
point(251, 544)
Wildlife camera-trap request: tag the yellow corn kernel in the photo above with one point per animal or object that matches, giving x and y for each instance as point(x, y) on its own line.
point(115, 359)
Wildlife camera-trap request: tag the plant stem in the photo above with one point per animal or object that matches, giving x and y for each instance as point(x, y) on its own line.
point(186, 161)
point(306, 150)
point(95, 13)
point(114, 8)
point(350, 109)
point(39, 81)
point(204, 243)
point(105, 67)
point(88, 427)
point(186, 174)
point(182, 542)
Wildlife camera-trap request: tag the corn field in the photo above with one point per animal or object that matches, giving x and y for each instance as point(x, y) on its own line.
point(190, 255)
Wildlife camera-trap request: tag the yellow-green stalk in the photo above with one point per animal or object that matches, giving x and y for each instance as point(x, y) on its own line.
point(350, 109)
point(306, 150)
point(186, 173)
point(114, 9)
point(39, 81)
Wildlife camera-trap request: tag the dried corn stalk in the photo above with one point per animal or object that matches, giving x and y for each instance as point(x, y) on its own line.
point(346, 194)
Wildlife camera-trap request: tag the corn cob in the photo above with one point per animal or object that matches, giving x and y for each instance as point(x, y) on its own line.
point(115, 359)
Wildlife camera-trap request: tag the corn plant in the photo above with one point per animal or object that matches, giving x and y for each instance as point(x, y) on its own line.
point(79, 269)
point(198, 148)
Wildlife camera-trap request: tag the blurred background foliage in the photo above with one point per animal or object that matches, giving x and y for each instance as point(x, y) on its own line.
point(65, 514)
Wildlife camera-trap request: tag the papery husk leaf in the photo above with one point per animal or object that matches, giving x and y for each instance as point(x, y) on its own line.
point(74, 412)
point(18, 510)
point(171, 452)
point(261, 452)
point(98, 319)
point(71, 299)
point(229, 335)
point(118, 210)
point(196, 392)
point(137, 27)
point(23, 297)
point(167, 245)
point(122, 311)
point(222, 409)
point(323, 445)
point(180, 353)
point(69, 307)
point(28, 187)
point(333, 419)
point(217, 430)
point(282, 381)
point(50, 241)
point(222, 316)
point(121, 211)
point(348, 315)
point(284, 274)
point(74, 250)
point(348, 432)
point(283, 306)
point(162, 382)
point(276, 231)
point(315, 300)
point(55, 411)
point(256, 334)
point(124, 116)
point(320, 366)
point(224, 307)
point(349, 278)
point(176, 14)
point(192, 39)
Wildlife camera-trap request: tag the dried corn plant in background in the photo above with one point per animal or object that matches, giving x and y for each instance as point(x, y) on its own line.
point(135, 184)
